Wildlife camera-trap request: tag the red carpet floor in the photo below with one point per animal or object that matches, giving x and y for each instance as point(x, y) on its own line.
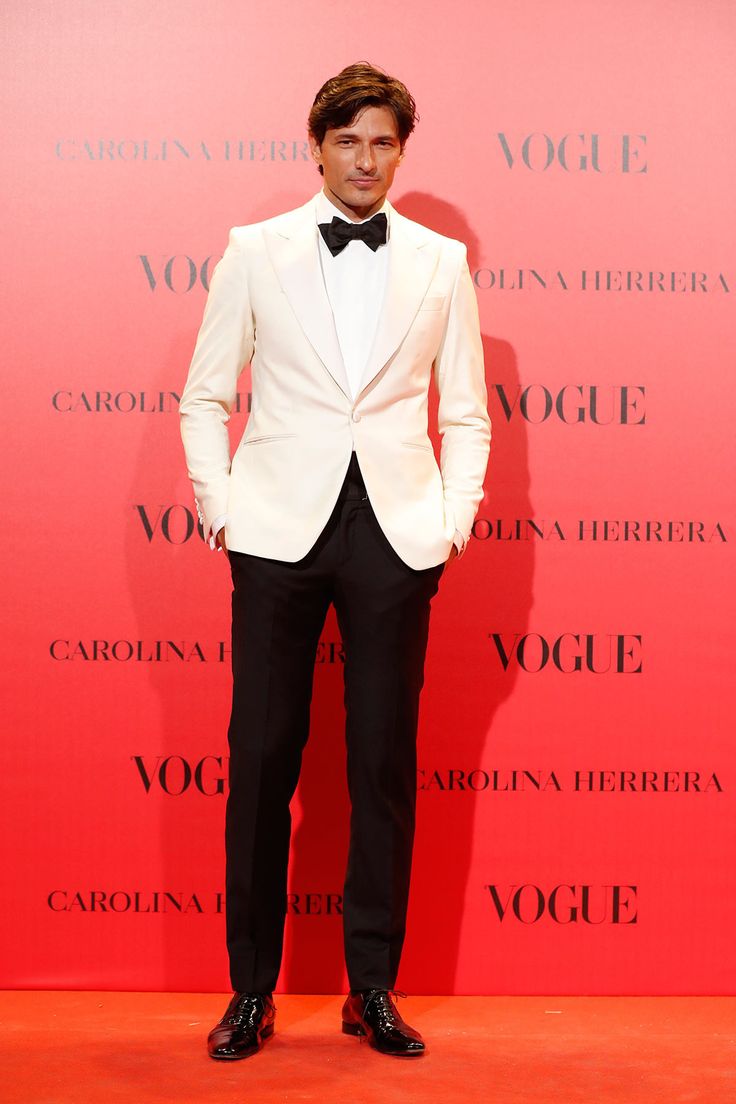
point(140, 1047)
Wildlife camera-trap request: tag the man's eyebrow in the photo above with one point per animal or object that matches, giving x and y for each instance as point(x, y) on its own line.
point(378, 138)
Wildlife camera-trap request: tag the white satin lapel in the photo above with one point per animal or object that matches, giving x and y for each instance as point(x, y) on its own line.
point(294, 252)
point(413, 258)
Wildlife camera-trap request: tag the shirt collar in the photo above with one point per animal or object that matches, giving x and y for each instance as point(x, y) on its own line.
point(326, 211)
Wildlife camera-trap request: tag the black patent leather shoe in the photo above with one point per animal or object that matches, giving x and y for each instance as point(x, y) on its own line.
point(372, 1012)
point(248, 1020)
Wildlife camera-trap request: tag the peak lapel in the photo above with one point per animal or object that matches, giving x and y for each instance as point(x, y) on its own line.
point(413, 258)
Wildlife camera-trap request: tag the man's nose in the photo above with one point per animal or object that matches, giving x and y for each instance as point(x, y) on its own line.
point(365, 160)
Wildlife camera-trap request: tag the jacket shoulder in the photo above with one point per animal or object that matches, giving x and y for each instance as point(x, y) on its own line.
point(248, 233)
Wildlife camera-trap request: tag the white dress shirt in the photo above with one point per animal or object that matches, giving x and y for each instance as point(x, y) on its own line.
point(355, 281)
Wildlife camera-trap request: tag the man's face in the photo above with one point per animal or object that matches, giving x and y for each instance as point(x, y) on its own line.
point(359, 161)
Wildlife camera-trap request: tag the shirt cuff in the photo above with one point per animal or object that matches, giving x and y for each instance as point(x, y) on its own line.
point(217, 525)
point(459, 542)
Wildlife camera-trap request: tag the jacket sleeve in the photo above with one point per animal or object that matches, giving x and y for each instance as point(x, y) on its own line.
point(223, 347)
point(462, 414)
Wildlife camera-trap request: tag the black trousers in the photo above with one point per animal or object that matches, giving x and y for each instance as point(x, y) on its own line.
point(279, 609)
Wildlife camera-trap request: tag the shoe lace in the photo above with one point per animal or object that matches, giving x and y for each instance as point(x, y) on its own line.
point(244, 1007)
point(385, 1009)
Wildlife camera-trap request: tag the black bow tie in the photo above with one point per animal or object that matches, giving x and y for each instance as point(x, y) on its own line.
point(338, 233)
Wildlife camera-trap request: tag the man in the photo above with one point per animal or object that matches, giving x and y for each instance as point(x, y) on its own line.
point(346, 310)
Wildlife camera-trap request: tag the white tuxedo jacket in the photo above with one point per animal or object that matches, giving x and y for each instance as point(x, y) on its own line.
point(268, 305)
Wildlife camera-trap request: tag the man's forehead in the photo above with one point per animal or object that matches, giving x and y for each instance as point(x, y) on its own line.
point(386, 124)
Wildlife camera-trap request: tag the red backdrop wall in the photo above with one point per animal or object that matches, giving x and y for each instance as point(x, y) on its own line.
point(576, 791)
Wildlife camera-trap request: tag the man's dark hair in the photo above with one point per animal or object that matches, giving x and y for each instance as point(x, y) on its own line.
point(342, 98)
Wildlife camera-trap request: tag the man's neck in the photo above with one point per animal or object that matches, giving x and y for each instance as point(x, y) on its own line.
point(355, 214)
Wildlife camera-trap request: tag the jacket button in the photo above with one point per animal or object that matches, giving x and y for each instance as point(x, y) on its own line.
point(356, 416)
